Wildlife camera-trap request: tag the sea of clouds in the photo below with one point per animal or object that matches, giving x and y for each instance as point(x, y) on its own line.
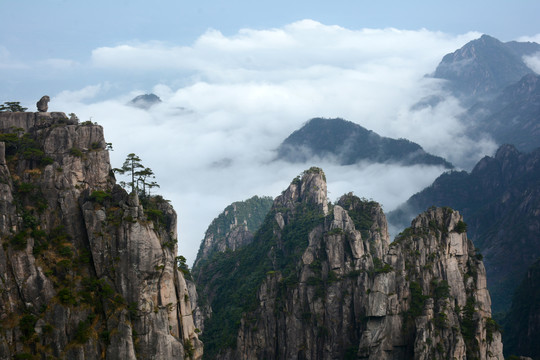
point(229, 101)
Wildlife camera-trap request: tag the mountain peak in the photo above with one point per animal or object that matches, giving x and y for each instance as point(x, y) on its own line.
point(482, 67)
point(350, 143)
point(506, 151)
point(145, 101)
point(309, 188)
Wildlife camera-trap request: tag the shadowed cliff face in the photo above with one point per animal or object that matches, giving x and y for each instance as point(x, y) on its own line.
point(86, 272)
point(326, 283)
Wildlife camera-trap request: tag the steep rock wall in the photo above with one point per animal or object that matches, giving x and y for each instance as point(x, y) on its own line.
point(346, 292)
point(86, 272)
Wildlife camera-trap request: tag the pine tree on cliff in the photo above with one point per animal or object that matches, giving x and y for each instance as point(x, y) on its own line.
point(140, 175)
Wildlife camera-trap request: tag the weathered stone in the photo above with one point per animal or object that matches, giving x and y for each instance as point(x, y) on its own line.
point(358, 296)
point(85, 272)
point(42, 104)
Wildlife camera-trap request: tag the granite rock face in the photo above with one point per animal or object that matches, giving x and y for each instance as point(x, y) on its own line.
point(43, 104)
point(335, 287)
point(86, 272)
point(234, 227)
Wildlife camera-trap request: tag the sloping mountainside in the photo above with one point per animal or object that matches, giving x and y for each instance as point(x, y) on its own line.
point(234, 227)
point(349, 143)
point(322, 281)
point(484, 67)
point(87, 272)
point(500, 199)
point(522, 324)
point(512, 118)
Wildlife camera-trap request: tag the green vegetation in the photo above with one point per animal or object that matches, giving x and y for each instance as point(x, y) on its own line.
point(441, 289)
point(236, 276)
point(250, 212)
point(75, 152)
point(381, 268)
point(461, 227)
point(153, 209)
point(12, 106)
point(189, 350)
point(361, 211)
point(21, 145)
point(141, 176)
point(182, 266)
point(491, 327)
point(468, 328)
point(100, 196)
point(418, 299)
point(315, 170)
point(27, 326)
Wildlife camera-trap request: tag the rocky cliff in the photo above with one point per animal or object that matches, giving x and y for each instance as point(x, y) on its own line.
point(500, 199)
point(234, 227)
point(87, 272)
point(323, 281)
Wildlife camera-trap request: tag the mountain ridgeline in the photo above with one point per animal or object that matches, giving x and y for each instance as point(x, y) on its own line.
point(500, 90)
point(323, 281)
point(88, 271)
point(234, 227)
point(485, 66)
point(348, 143)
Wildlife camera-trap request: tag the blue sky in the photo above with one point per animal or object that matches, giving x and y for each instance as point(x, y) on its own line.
point(237, 77)
point(38, 31)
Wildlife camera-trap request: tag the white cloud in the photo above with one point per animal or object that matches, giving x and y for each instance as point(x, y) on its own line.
point(533, 62)
point(211, 141)
point(73, 97)
point(534, 38)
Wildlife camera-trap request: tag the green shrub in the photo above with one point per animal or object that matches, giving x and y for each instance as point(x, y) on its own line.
point(491, 327)
point(66, 297)
point(75, 152)
point(99, 196)
point(19, 240)
point(27, 326)
point(83, 332)
point(65, 251)
point(461, 227)
point(23, 356)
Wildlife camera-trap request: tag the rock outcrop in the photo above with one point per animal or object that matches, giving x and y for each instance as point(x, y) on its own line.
point(87, 272)
point(323, 281)
point(43, 104)
point(234, 227)
point(500, 199)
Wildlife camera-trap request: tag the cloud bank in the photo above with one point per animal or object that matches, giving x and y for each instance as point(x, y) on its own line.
point(229, 101)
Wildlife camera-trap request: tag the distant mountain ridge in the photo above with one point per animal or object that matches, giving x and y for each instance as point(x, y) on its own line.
point(145, 101)
point(484, 66)
point(501, 92)
point(349, 143)
point(513, 116)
